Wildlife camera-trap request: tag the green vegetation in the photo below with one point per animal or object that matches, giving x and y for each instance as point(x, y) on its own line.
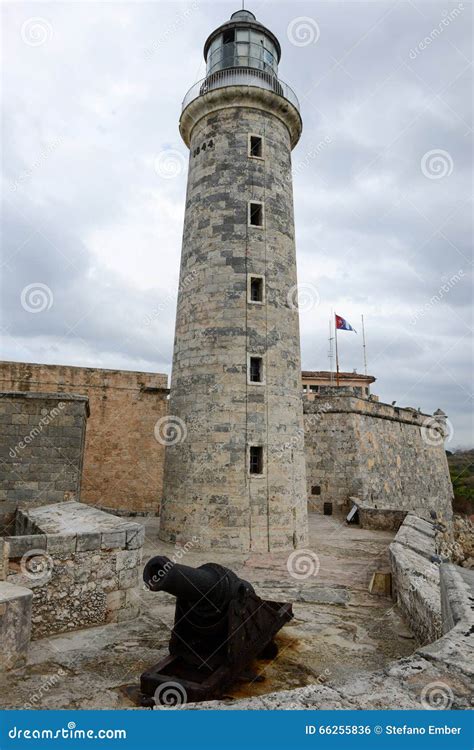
point(461, 468)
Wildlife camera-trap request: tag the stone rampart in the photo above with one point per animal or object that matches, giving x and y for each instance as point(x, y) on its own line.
point(123, 462)
point(41, 449)
point(386, 457)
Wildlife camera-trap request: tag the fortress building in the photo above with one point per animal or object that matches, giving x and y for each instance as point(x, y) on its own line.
point(235, 477)
point(317, 382)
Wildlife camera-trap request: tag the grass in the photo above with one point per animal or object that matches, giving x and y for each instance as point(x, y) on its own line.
point(461, 468)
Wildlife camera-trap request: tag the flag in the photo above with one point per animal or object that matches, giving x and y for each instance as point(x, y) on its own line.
point(343, 325)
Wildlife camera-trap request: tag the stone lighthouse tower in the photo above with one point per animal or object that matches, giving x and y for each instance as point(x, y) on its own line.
point(235, 474)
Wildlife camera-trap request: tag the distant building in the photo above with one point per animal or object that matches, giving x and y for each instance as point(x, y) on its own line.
point(313, 381)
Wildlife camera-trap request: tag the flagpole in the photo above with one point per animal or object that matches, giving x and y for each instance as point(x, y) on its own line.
point(363, 345)
point(330, 349)
point(337, 353)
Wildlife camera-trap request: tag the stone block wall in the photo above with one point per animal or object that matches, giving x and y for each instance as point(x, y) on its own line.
point(123, 462)
point(386, 457)
point(15, 625)
point(82, 566)
point(41, 449)
point(415, 578)
point(209, 491)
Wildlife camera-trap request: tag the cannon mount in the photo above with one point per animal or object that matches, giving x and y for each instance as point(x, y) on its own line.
point(220, 627)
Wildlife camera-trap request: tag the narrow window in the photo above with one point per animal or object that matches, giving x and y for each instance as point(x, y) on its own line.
point(256, 214)
point(255, 290)
point(256, 459)
point(256, 370)
point(316, 489)
point(256, 146)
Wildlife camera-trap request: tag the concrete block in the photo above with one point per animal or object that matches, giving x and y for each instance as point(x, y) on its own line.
point(20, 545)
point(61, 545)
point(113, 539)
point(87, 541)
point(15, 625)
point(381, 584)
point(135, 537)
point(128, 578)
point(127, 559)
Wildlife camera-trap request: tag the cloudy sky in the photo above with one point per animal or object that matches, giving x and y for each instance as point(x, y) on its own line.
point(94, 179)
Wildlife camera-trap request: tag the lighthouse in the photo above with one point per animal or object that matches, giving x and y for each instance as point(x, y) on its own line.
point(235, 474)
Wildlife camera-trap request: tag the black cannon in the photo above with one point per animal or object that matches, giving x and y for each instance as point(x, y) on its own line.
point(220, 626)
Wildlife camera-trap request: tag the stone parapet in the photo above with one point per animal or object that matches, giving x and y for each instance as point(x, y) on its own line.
point(382, 457)
point(41, 449)
point(81, 564)
point(15, 624)
point(415, 578)
point(123, 461)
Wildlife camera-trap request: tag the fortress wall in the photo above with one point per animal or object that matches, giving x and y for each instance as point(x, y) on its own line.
point(41, 449)
point(123, 463)
point(387, 457)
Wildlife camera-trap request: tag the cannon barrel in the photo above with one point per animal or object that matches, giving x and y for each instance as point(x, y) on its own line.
point(184, 582)
point(206, 590)
point(220, 626)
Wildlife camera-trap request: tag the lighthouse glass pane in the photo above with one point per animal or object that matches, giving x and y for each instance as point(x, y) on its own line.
point(242, 36)
point(216, 43)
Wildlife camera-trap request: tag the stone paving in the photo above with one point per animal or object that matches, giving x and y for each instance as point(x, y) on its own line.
point(339, 629)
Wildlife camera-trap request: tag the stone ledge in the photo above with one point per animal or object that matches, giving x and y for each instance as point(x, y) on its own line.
point(55, 526)
point(87, 555)
point(37, 395)
point(15, 624)
point(415, 577)
point(456, 648)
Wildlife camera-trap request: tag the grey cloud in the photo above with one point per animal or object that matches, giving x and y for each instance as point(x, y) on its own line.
point(93, 220)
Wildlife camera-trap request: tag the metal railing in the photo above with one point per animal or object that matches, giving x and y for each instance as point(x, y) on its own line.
point(241, 77)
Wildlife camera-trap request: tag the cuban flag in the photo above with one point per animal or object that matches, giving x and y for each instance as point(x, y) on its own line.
point(343, 325)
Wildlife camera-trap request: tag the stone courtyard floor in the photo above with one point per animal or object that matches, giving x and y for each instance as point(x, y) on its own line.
point(339, 628)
